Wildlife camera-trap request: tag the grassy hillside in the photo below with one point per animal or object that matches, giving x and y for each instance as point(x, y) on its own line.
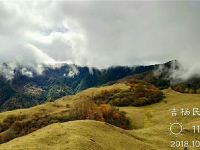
point(149, 125)
point(21, 122)
point(78, 135)
point(138, 93)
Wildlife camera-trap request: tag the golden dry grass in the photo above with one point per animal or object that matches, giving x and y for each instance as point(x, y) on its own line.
point(150, 126)
point(78, 135)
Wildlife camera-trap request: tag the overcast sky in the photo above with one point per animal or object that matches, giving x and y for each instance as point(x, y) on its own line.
point(101, 33)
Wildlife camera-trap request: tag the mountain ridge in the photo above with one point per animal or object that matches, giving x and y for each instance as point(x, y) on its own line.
point(24, 90)
point(28, 88)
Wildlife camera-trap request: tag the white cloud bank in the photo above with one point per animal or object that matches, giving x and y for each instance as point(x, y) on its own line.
point(101, 33)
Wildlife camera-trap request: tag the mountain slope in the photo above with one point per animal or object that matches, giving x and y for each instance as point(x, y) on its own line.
point(84, 135)
point(88, 104)
point(149, 123)
point(28, 88)
point(150, 127)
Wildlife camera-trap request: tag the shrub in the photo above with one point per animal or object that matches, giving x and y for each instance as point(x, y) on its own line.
point(9, 120)
point(67, 105)
point(20, 125)
point(85, 109)
point(198, 91)
point(114, 116)
point(140, 93)
point(132, 98)
point(7, 136)
point(121, 102)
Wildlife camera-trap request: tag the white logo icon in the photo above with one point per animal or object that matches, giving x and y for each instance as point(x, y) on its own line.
point(176, 128)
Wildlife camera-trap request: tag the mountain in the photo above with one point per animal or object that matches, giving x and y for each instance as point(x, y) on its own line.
point(23, 86)
point(162, 77)
point(91, 104)
point(192, 85)
point(68, 123)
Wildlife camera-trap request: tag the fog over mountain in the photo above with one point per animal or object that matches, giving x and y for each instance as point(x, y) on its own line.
point(101, 33)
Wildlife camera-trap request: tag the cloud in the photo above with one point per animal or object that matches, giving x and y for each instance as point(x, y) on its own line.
point(26, 72)
point(101, 33)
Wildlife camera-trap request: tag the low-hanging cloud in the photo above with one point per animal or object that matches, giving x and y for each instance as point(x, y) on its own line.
point(101, 33)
